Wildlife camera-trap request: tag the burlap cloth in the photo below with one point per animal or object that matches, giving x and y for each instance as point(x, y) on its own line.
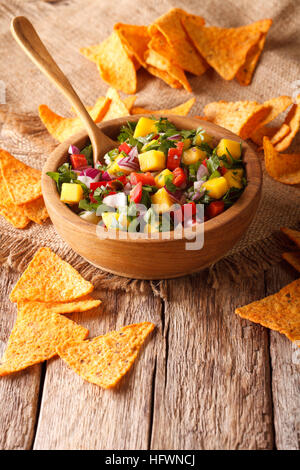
point(67, 26)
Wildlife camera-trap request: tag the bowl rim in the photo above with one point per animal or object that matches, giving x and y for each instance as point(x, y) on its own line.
point(251, 192)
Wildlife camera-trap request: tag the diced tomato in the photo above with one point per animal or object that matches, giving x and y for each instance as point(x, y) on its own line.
point(136, 193)
point(124, 148)
point(122, 179)
point(188, 205)
point(179, 177)
point(78, 161)
point(204, 162)
point(144, 178)
point(215, 208)
point(222, 170)
point(174, 156)
point(94, 186)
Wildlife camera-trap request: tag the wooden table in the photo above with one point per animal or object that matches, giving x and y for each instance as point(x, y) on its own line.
point(206, 379)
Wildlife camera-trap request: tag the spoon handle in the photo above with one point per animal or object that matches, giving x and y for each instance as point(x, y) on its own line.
point(30, 42)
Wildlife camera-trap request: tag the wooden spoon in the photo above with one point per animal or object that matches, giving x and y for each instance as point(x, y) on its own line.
point(26, 36)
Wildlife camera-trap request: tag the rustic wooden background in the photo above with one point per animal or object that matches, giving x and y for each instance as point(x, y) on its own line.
point(205, 380)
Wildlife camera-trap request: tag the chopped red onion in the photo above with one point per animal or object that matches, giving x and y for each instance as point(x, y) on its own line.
point(174, 137)
point(85, 180)
point(116, 200)
point(129, 163)
point(202, 171)
point(197, 185)
point(177, 196)
point(133, 153)
point(198, 195)
point(73, 150)
point(91, 173)
point(127, 188)
point(106, 176)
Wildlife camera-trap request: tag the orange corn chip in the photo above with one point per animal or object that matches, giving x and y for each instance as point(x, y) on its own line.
point(62, 128)
point(263, 131)
point(165, 76)
point(114, 64)
point(277, 105)
point(280, 312)
point(280, 134)
point(283, 167)
point(35, 210)
point(23, 182)
point(181, 110)
point(135, 39)
point(80, 305)
point(12, 213)
point(129, 102)
point(117, 107)
point(245, 73)
point(36, 335)
point(50, 279)
point(106, 359)
point(293, 258)
point(240, 117)
point(225, 49)
point(293, 121)
point(159, 62)
point(294, 235)
point(180, 50)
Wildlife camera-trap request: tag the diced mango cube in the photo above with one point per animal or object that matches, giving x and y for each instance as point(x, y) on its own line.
point(229, 147)
point(153, 160)
point(144, 127)
point(115, 220)
point(234, 178)
point(203, 137)
point(114, 167)
point(193, 155)
point(163, 200)
point(71, 193)
point(216, 187)
point(160, 179)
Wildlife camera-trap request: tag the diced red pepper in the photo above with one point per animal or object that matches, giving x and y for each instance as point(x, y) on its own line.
point(94, 186)
point(204, 162)
point(188, 205)
point(124, 148)
point(144, 178)
point(136, 193)
point(78, 161)
point(174, 156)
point(122, 179)
point(215, 208)
point(179, 177)
point(222, 170)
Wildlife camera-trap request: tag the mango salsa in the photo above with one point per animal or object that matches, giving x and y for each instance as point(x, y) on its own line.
point(163, 200)
point(203, 138)
point(192, 155)
point(160, 179)
point(231, 146)
point(234, 178)
point(153, 160)
point(144, 127)
point(216, 187)
point(71, 193)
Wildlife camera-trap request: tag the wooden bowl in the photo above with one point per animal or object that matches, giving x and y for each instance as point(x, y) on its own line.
point(139, 257)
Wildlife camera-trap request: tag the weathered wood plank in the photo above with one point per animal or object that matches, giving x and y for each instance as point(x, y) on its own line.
point(285, 362)
point(78, 415)
point(18, 392)
point(213, 379)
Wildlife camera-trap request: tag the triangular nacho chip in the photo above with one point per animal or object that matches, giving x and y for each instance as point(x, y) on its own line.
point(12, 213)
point(283, 167)
point(159, 62)
point(36, 335)
point(135, 39)
point(293, 121)
point(245, 73)
point(106, 359)
point(280, 312)
point(181, 110)
point(117, 106)
point(225, 49)
point(62, 128)
point(293, 258)
point(240, 117)
point(263, 131)
point(50, 279)
point(171, 40)
point(280, 134)
point(35, 210)
point(81, 305)
point(294, 235)
point(165, 76)
point(23, 182)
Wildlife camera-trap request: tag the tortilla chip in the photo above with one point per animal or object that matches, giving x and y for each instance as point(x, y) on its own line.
point(294, 235)
point(264, 131)
point(240, 117)
point(245, 73)
point(159, 62)
point(280, 312)
point(50, 279)
point(225, 49)
point(23, 182)
point(114, 64)
point(129, 102)
point(62, 128)
point(117, 107)
point(81, 305)
point(35, 210)
point(106, 359)
point(36, 335)
point(280, 134)
point(165, 76)
point(293, 121)
point(282, 167)
point(135, 39)
point(181, 110)
point(180, 51)
point(12, 213)
point(277, 105)
point(293, 258)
